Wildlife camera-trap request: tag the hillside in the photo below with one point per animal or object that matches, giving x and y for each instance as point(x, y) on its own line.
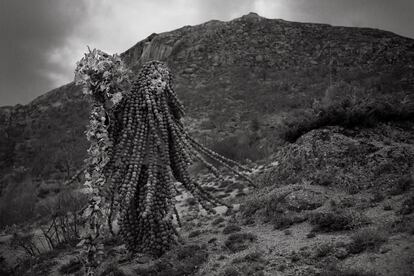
point(337, 202)
point(227, 74)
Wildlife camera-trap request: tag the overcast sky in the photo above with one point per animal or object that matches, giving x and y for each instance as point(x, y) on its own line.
point(41, 40)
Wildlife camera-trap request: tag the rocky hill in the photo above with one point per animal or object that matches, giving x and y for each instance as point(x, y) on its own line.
point(227, 73)
point(334, 195)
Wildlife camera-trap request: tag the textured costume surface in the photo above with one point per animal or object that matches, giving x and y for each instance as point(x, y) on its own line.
point(151, 152)
point(139, 152)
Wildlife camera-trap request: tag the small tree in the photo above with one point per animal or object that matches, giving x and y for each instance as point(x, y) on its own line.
point(62, 214)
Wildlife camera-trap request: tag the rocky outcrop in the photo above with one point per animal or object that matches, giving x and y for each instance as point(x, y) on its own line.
point(352, 160)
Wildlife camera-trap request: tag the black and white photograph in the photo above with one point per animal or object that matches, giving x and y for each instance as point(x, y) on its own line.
point(207, 137)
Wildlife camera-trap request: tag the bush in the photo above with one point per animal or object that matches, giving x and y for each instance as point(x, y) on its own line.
point(61, 220)
point(287, 219)
point(239, 241)
point(183, 260)
point(231, 229)
point(401, 224)
point(251, 257)
point(403, 184)
point(336, 220)
point(269, 205)
point(43, 192)
point(407, 207)
point(377, 196)
point(367, 238)
point(217, 221)
point(331, 221)
point(272, 208)
point(194, 233)
point(323, 250)
point(191, 201)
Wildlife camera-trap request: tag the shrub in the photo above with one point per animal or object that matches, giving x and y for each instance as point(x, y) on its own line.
point(324, 178)
point(286, 219)
point(331, 221)
point(191, 201)
point(367, 238)
point(230, 271)
point(251, 264)
point(267, 178)
point(377, 196)
point(194, 233)
point(217, 221)
point(271, 207)
point(322, 250)
point(402, 185)
point(212, 240)
point(254, 204)
point(61, 220)
point(43, 192)
point(407, 207)
point(231, 229)
point(250, 257)
point(239, 241)
point(401, 224)
point(183, 260)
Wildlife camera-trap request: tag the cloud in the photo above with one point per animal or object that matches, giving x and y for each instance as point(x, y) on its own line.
point(41, 40)
point(30, 31)
point(395, 16)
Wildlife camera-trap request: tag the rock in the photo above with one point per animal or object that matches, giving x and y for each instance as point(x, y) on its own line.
point(155, 49)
